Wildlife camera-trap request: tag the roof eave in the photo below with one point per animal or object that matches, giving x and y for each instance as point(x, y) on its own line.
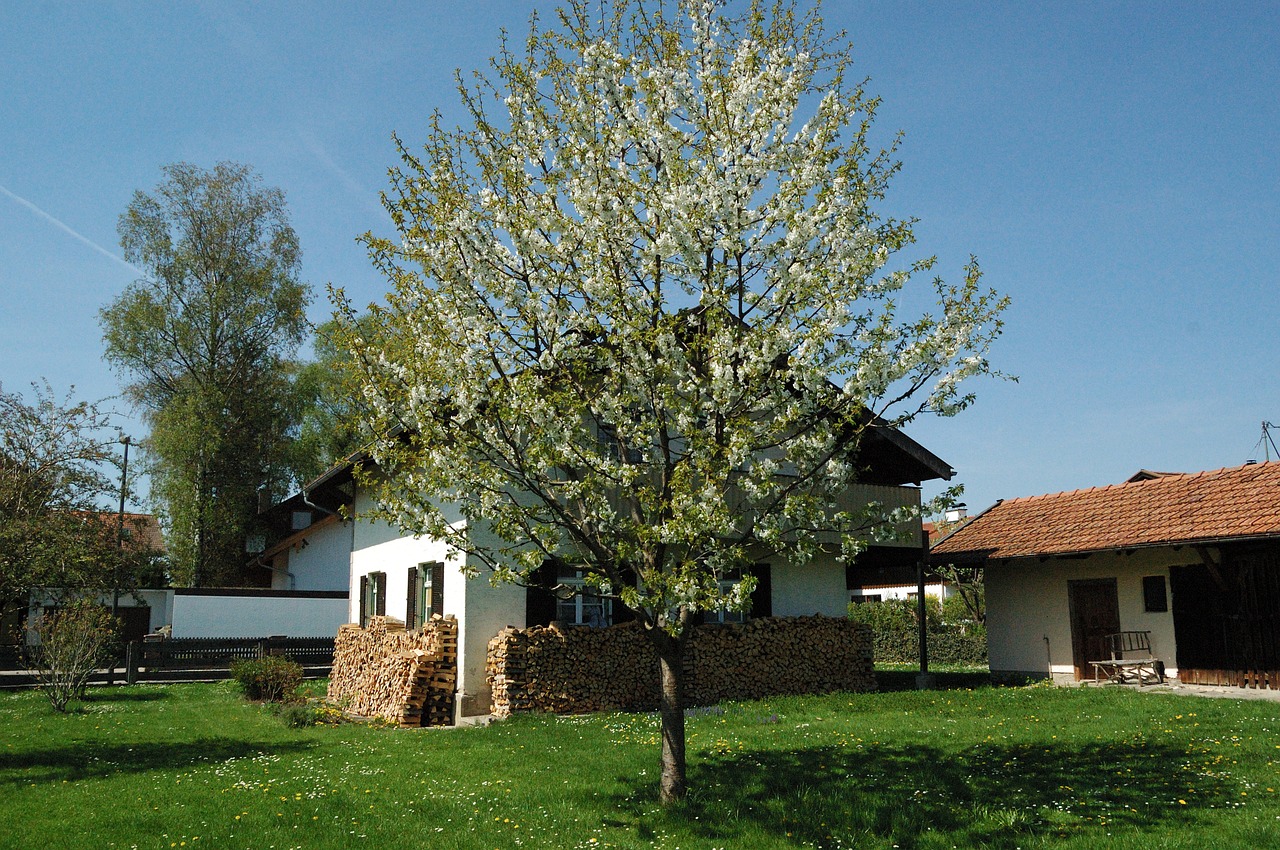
point(996, 555)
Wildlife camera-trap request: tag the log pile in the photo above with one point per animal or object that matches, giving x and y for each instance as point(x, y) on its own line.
point(577, 669)
point(384, 671)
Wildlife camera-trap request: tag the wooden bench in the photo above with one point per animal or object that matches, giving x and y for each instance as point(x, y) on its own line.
point(1131, 660)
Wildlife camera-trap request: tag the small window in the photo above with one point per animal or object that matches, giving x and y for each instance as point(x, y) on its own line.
point(863, 598)
point(725, 615)
point(426, 594)
point(1153, 594)
point(611, 445)
point(586, 607)
point(373, 596)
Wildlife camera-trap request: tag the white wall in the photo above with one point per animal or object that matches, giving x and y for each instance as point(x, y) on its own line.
point(395, 557)
point(159, 601)
point(481, 610)
point(817, 587)
point(270, 613)
point(487, 610)
point(320, 560)
point(1028, 613)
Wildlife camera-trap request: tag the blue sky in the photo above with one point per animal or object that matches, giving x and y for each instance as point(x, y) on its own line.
point(1115, 168)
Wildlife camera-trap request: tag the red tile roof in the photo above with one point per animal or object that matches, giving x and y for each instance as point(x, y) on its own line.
point(1236, 502)
point(141, 531)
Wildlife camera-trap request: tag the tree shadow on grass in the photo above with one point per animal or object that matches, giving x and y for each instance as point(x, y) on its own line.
point(86, 760)
point(123, 695)
point(991, 795)
point(905, 680)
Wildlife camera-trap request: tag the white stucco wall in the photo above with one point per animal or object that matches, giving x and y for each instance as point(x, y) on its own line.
point(482, 611)
point(382, 549)
point(241, 615)
point(160, 601)
point(817, 587)
point(487, 610)
point(1028, 612)
point(320, 560)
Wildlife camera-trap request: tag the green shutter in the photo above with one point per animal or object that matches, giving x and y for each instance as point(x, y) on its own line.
point(364, 600)
point(437, 589)
point(411, 612)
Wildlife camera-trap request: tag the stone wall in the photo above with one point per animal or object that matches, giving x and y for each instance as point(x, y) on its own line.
point(404, 677)
point(578, 669)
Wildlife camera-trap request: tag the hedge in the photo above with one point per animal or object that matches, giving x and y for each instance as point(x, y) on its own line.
point(895, 633)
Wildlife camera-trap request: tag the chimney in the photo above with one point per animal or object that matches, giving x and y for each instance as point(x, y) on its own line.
point(956, 514)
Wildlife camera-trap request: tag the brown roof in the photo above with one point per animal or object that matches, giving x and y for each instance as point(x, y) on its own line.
point(1236, 502)
point(141, 531)
point(144, 531)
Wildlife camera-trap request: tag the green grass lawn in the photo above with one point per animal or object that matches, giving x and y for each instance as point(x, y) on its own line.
point(196, 766)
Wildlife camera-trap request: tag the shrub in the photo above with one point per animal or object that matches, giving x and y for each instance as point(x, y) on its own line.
point(895, 634)
point(299, 715)
point(74, 640)
point(272, 679)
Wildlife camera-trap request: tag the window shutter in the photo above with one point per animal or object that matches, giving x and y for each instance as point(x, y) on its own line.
point(381, 593)
point(437, 590)
point(539, 601)
point(762, 596)
point(364, 600)
point(411, 620)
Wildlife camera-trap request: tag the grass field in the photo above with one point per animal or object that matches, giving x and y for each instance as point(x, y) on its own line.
point(195, 766)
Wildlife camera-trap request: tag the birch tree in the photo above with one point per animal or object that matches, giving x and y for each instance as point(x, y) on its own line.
point(644, 305)
point(206, 338)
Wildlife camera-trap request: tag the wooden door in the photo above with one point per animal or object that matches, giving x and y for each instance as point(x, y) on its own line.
point(1095, 613)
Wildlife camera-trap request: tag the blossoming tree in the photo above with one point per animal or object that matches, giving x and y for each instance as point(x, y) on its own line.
point(643, 308)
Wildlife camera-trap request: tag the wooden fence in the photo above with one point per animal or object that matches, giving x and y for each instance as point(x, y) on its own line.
point(186, 659)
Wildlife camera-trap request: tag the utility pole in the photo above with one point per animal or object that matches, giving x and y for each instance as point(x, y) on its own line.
point(125, 440)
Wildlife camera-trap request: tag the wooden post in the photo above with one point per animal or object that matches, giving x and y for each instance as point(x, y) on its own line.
point(924, 681)
point(132, 654)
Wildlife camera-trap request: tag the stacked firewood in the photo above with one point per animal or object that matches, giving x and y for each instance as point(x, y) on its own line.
point(582, 669)
point(406, 677)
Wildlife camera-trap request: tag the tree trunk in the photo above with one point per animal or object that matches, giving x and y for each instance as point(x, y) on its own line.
point(674, 785)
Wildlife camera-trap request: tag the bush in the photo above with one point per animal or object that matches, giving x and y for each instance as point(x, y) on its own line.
point(74, 640)
point(299, 715)
point(896, 638)
point(272, 679)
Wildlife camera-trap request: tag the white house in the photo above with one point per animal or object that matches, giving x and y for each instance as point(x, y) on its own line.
point(1194, 560)
point(411, 578)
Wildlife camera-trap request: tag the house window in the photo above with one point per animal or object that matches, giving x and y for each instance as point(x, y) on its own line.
point(725, 615)
point(373, 596)
point(863, 598)
point(586, 607)
point(425, 595)
point(611, 444)
point(1154, 597)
